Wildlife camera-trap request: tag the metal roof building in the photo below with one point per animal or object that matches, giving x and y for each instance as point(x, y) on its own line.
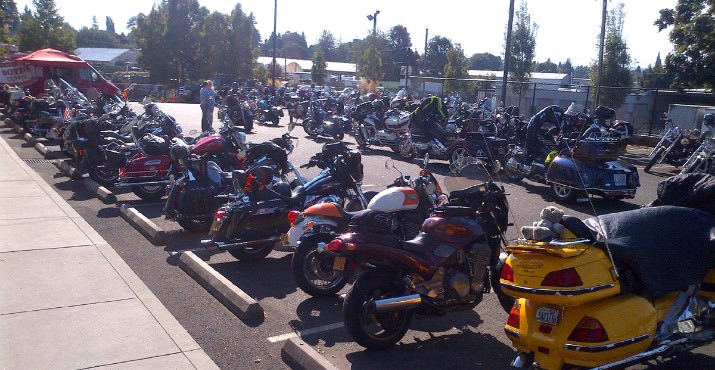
point(108, 58)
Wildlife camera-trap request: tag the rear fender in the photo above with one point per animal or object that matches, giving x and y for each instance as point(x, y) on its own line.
point(564, 171)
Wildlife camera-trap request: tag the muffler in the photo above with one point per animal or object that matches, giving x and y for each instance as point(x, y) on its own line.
point(398, 303)
point(210, 244)
point(124, 184)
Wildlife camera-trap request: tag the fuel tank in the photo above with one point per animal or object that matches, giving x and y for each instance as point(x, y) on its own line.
point(209, 144)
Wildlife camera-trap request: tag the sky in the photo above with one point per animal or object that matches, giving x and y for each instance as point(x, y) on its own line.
point(566, 28)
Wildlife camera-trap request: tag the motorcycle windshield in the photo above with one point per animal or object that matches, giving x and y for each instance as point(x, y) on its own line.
point(466, 172)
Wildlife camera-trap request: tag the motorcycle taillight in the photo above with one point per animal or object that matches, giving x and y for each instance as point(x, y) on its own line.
point(293, 216)
point(514, 314)
point(589, 330)
point(562, 278)
point(507, 273)
point(336, 245)
point(220, 215)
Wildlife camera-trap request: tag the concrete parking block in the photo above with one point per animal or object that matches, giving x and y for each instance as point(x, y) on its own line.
point(144, 225)
point(300, 355)
point(82, 336)
point(104, 194)
point(29, 138)
point(65, 166)
point(236, 300)
point(42, 288)
point(20, 235)
point(42, 149)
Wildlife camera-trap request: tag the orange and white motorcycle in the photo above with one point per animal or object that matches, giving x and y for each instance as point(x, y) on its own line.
point(407, 202)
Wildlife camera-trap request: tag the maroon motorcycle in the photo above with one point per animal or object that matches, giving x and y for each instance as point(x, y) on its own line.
point(449, 265)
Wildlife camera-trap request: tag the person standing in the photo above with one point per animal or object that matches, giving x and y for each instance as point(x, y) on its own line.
point(207, 96)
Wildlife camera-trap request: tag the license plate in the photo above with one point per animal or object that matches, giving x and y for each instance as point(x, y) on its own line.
point(619, 179)
point(339, 263)
point(215, 227)
point(284, 239)
point(547, 315)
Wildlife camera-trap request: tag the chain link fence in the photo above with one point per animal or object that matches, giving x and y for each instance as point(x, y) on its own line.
point(644, 108)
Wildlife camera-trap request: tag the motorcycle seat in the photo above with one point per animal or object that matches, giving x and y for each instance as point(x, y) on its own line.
point(115, 135)
point(420, 244)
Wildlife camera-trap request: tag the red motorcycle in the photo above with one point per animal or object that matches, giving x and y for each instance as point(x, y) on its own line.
point(447, 267)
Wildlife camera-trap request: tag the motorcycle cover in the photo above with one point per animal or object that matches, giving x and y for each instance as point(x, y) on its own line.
point(693, 190)
point(664, 248)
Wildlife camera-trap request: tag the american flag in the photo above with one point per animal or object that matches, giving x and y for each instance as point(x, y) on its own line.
point(68, 113)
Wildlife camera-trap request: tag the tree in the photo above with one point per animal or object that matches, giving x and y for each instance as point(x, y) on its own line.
point(546, 67)
point(242, 37)
point(692, 61)
point(9, 20)
point(294, 46)
point(656, 76)
point(456, 68)
point(616, 61)
point(215, 43)
point(150, 36)
point(566, 67)
point(45, 28)
point(327, 44)
point(96, 38)
point(436, 57)
point(109, 25)
point(522, 47)
point(371, 63)
point(485, 62)
point(319, 70)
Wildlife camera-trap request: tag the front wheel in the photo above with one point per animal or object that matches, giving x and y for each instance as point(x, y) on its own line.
point(460, 151)
point(104, 176)
point(405, 148)
point(360, 139)
point(511, 169)
point(275, 121)
point(313, 271)
point(654, 159)
point(339, 135)
point(248, 124)
point(149, 192)
point(309, 126)
point(565, 194)
point(194, 224)
point(368, 328)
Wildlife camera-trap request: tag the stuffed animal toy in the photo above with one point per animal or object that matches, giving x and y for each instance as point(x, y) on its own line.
point(547, 227)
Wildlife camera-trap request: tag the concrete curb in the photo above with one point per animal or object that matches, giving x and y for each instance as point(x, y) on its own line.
point(42, 149)
point(236, 300)
point(104, 194)
point(67, 169)
point(144, 225)
point(29, 138)
point(299, 355)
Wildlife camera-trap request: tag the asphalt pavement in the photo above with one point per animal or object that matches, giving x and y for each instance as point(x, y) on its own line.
point(461, 340)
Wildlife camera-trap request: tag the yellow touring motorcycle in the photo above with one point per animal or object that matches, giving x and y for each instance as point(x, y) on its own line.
point(614, 290)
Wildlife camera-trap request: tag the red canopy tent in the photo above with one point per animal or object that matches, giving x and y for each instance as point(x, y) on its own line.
point(52, 58)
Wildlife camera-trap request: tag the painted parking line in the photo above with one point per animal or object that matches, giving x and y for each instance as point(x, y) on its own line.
point(302, 333)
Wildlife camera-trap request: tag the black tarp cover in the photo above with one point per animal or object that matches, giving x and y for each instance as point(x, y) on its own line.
point(667, 248)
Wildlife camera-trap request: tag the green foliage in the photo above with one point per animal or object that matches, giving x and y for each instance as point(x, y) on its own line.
point(456, 68)
point(9, 20)
point(96, 38)
point(371, 63)
point(656, 76)
point(523, 45)
point(319, 70)
point(242, 38)
point(546, 67)
point(109, 25)
point(485, 62)
point(436, 57)
point(565, 67)
point(45, 28)
point(616, 61)
point(692, 61)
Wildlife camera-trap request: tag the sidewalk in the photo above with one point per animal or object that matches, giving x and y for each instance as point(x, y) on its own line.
point(67, 300)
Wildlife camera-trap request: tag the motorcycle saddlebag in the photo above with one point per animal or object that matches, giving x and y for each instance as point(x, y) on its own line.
point(199, 197)
point(153, 145)
point(114, 159)
point(371, 222)
point(597, 150)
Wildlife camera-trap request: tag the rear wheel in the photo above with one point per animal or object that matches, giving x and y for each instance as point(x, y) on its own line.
point(564, 193)
point(513, 174)
point(654, 159)
point(275, 121)
point(339, 135)
point(360, 140)
point(149, 192)
point(252, 254)
point(368, 328)
point(313, 271)
point(310, 128)
point(104, 176)
point(248, 125)
point(194, 224)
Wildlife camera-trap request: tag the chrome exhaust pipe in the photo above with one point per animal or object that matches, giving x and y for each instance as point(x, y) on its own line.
point(210, 244)
point(398, 303)
point(124, 184)
point(637, 358)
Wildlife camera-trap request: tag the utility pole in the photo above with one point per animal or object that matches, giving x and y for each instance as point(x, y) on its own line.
point(275, 21)
point(373, 18)
point(426, 35)
point(507, 52)
point(600, 53)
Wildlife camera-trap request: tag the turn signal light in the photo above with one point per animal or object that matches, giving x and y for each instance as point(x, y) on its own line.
point(562, 278)
point(292, 216)
point(220, 215)
point(335, 245)
point(507, 273)
point(513, 319)
point(589, 330)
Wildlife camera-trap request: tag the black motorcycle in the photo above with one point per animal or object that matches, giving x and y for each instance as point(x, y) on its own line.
point(318, 123)
point(674, 148)
point(249, 226)
point(232, 108)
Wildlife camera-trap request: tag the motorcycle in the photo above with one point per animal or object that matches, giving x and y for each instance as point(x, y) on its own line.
point(447, 267)
point(238, 112)
point(605, 294)
point(674, 148)
point(702, 159)
point(249, 226)
point(319, 124)
point(391, 130)
point(408, 201)
point(588, 166)
point(269, 113)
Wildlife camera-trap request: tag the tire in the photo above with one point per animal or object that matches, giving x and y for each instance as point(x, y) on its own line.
point(309, 128)
point(565, 194)
point(106, 177)
point(275, 121)
point(391, 326)
point(252, 254)
point(654, 159)
point(405, 148)
point(460, 150)
point(248, 125)
point(361, 141)
point(193, 224)
point(512, 175)
point(149, 192)
point(339, 135)
point(506, 301)
point(313, 271)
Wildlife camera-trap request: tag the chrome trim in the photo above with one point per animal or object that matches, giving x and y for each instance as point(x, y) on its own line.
point(513, 333)
point(605, 347)
point(124, 184)
point(562, 243)
point(557, 292)
point(637, 358)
